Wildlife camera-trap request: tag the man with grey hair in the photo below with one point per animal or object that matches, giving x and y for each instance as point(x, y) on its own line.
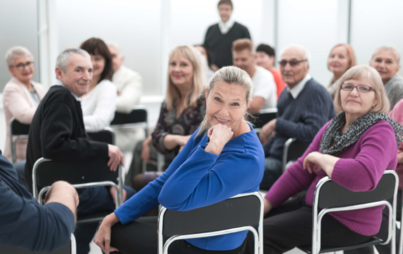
point(57, 132)
point(303, 108)
point(129, 88)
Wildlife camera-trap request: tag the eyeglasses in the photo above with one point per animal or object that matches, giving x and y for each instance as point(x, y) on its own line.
point(360, 88)
point(283, 63)
point(21, 66)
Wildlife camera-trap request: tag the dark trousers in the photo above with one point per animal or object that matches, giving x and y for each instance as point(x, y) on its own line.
point(290, 226)
point(140, 236)
point(273, 168)
point(93, 200)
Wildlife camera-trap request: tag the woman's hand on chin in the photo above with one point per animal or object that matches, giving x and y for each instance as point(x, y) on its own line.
point(219, 136)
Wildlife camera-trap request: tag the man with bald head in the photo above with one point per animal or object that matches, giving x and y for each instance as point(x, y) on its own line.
point(303, 108)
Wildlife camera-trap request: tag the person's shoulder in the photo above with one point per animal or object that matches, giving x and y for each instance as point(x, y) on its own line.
point(263, 72)
point(130, 73)
point(315, 87)
point(397, 81)
point(213, 27)
point(11, 86)
point(240, 26)
point(106, 86)
point(58, 94)
point(381, 126)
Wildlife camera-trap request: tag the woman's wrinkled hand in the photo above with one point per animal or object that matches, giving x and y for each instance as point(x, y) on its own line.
point(103, 238)
point(219, 136)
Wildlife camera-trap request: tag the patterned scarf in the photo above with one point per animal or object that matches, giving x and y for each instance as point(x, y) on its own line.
point(353, 132)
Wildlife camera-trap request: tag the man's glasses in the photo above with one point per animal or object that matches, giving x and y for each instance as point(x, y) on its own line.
point(292, 63)
point(360, 88)
point(21, 66)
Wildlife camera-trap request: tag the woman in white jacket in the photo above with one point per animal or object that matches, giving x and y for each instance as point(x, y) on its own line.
point(99, 104)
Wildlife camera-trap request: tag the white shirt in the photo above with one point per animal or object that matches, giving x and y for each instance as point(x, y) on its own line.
point(129, 86)
point(99, 106)
point(225, 27)
point(265, 87)
point(296, 90)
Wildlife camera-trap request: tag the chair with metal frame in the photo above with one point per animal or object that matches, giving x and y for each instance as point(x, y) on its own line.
point(331, 197)
point(80, 174)
point(106, 135)
point(264, 116)
point(19, 130)
point(293, 149)
point(68, 249)
point(240, 213)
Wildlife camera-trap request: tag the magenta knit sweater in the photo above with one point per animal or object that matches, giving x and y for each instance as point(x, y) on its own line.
point(359, 169)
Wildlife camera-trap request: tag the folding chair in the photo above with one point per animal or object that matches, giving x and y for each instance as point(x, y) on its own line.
point(264, 116)
point(239, 213)
point(138, 117)
point(331, 197)
point(68, 249)
point(81, 174)
point(106, 136)
point(293, 149)
point(19, 130)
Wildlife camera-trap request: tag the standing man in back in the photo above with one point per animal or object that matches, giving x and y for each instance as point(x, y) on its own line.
point(219, 37)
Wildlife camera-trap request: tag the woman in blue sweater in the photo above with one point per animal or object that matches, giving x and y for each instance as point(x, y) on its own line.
point(223, 158)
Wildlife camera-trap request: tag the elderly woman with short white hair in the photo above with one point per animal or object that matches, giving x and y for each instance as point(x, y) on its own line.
point(386, 60)
point(354, 149)
point(21, 96)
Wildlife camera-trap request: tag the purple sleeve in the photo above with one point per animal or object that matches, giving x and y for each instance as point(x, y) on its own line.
point(378, 151)
point(295, 179)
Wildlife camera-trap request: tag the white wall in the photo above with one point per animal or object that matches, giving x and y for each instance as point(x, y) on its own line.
point(313, 24)
point(134, 24)
point(374, 25)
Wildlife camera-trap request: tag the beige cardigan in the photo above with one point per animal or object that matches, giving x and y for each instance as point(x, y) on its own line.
point(18, 103)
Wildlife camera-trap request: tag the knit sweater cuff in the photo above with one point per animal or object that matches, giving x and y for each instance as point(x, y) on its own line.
point(274, 197)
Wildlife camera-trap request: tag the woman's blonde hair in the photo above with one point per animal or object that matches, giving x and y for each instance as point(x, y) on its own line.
point(350, 54)
point(233, 76)
point(173, 94)
point(359, 72)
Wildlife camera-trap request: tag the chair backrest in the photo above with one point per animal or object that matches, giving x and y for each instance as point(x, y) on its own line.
point(18, 128)
point(341, 196)
point(46, 172)
point(138, 115)
point(235, 212)
point(293, 149)
point(106, 136)
point(264, 116)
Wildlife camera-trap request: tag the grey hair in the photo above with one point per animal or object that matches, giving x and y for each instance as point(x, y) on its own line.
point(231, 75)
point(307, 55)
point(62, 59)
point(115, 45)
point(15, 52)
point(394, 50)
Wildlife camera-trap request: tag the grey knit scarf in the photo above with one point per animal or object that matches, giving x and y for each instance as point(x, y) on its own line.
point(353, 132)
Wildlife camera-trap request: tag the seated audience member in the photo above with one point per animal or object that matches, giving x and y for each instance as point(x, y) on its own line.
point(99, 103)
point(265, 57)
point(208, 61)
point(21, 96)
point(341, 58)
point(386, 60)
point(180, 115)
point(264, 89)
point(57, 132)
point(129, 88)
point(303, 108)
point(354, 150)
point(219, 37)
point(26, 224)
point(222, 158)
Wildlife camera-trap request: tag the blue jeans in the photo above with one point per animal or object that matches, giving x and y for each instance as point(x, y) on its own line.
point(272, 172)
point(92, 200)
point(20, 168)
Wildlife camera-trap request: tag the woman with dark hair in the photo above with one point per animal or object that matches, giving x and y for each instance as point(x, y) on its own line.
point(99, 103)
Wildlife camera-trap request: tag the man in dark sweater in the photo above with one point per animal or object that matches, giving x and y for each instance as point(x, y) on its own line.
point(57, 132)
point(303, 108)
point(219, 37)
point(26, 224)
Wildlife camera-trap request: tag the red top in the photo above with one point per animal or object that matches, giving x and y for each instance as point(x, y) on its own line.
point(279, 82)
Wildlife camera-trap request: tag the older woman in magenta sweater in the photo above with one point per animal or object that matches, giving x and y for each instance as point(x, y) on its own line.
point(354, 149)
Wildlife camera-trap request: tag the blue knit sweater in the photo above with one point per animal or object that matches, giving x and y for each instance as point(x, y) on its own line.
point(197, 178)
point(300, 118)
